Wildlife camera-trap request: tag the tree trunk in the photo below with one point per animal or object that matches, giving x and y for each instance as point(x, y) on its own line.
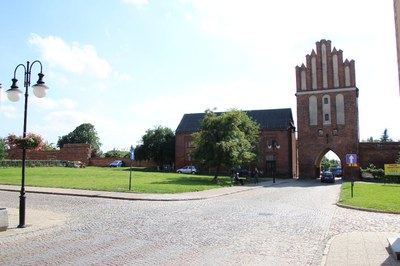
point(215, 179)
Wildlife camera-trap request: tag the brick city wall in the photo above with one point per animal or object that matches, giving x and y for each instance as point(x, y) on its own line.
point(378, 153)
point(70, 152)
point(127, 161)
point(74, 152)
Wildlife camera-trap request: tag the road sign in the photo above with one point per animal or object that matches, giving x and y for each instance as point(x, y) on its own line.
point(132, 153)
point(351, 159)
point(392, 169)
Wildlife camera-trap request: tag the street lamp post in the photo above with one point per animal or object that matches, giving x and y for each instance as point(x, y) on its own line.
point(13, 94)
point(274, 145)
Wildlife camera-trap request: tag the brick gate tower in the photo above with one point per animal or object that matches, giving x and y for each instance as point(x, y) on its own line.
point(327, 109)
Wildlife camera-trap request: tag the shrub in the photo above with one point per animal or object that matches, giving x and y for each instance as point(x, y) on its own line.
point(32, 163)
point(379, 173)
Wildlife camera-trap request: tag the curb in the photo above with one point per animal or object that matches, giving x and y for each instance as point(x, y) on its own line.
point(128, 196)
point(326, 250)
point(365, 209)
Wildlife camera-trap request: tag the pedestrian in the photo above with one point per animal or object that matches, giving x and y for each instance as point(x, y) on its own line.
point(256, 173)
point(236, 179)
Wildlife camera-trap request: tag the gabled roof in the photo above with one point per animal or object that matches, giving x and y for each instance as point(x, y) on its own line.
point(274, 119)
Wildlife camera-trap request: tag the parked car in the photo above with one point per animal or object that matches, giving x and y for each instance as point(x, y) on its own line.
point(117, 163)
point(189, 169)
point(338, 172)
point(328, 176)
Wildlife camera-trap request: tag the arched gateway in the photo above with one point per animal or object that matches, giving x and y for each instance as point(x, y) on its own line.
point(327, 108)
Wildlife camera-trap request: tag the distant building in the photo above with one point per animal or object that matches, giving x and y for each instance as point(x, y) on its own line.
point(277, 141)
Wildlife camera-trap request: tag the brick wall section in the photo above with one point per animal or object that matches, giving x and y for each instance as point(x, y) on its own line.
point(70, 152)
point(73, 152)
point(378, 153)
point(127, 161)
point(285, 158)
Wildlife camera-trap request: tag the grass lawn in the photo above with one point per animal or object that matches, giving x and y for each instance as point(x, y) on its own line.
point(110, 179)
point(375, 196)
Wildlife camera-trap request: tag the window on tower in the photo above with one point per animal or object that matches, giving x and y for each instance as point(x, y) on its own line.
point(326, 110)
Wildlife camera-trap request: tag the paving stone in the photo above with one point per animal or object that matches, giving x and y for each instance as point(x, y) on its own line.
point(286, 224)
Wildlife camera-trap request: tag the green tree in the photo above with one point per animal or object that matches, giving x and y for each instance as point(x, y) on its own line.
point(84, 133)
point(371, 139)
point(114, 153)
point(385, 136)
point(48, 146)
point(325, 164)
point(229, 139)
point(158, 144)
point(140, 153)
point(3, 149)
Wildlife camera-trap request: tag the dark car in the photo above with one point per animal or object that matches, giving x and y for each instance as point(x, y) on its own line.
point(328, 176)
point(117, 164)
point(338, 172)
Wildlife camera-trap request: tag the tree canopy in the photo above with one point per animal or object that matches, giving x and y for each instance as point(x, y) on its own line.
point(114, 153)
point(3, 148)
point(84, 133)
point(229, 139)
point(327, 164)
point(158, 144)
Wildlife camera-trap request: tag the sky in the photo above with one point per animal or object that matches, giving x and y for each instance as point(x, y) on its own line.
point(127, 66)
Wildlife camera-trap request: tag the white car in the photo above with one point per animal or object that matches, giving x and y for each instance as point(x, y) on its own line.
point(187, 170)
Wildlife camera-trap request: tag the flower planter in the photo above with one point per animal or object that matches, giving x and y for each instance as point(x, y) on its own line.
point(3, 219)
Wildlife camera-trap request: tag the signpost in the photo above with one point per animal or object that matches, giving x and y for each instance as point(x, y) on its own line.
point(351, 161)
point(130, 172)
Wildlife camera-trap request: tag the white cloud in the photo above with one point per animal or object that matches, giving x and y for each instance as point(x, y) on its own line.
point(10, 112)
point(60, 123)
point(122, 76)
point(240, 94)
point(266, 27)
point(189, 16)
point(137, 2)
point(49, 104)
point(75, 58)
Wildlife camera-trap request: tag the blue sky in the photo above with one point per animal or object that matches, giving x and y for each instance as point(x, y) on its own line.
point(128, 65)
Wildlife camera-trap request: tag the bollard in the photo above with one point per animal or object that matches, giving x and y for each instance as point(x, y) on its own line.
point(3, 219)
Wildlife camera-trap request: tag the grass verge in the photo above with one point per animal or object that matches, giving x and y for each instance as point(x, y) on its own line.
point(375, 196)
point(111, 179)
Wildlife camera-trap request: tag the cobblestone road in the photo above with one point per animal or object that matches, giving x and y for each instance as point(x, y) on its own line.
point(287, 224)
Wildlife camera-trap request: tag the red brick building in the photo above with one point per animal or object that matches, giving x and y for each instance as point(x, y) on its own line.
point(277, 141)
point(327, 114)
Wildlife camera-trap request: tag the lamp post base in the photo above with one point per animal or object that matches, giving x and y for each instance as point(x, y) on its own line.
point(22, 200)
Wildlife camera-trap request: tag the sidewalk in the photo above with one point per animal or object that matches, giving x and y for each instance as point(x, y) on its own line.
point(360, 248)
point(356, 248)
